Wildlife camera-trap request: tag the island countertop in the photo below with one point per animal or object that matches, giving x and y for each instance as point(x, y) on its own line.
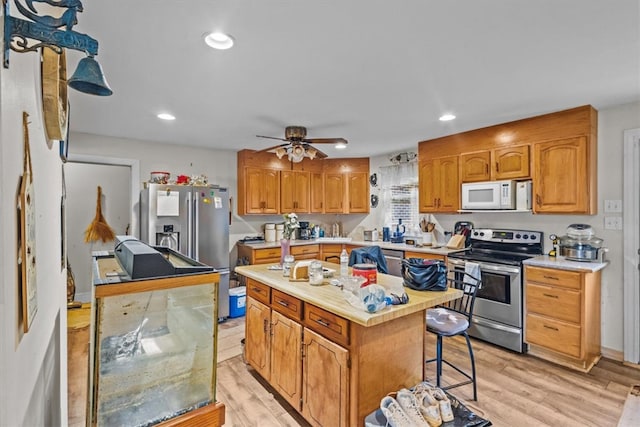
point(331, 298)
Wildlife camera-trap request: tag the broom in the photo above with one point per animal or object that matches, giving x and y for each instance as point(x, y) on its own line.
point(99, 229)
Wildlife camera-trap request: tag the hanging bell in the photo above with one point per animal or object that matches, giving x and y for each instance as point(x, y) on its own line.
point(89, 78)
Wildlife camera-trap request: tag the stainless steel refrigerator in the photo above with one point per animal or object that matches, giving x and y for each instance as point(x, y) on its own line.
point(194, 221)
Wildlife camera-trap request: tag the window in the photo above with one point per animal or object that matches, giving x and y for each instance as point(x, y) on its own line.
point(399, 190)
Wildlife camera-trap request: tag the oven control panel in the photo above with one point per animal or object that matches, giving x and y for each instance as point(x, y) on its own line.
point(506, 236)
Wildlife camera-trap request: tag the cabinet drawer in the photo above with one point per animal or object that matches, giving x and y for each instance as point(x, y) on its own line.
point(552, 334)
point(286, 304)
point(262, 255)
point(299, 251)
point(559, 303)
point(423, 255)
point(259, 291)
point(327, 324)
point(554, 277)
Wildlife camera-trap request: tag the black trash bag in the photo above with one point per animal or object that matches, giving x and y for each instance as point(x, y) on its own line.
point(424, 274)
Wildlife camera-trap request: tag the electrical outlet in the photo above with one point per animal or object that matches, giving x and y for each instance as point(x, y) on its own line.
point(613, 206)
point(613, 223)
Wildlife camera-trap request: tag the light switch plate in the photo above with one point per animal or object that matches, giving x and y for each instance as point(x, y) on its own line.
point(613, 206)
point(613, 223)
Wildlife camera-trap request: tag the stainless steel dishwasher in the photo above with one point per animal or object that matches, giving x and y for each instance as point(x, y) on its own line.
point(394, 261)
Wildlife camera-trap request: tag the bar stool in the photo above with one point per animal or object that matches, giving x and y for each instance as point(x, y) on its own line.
point(451, 319)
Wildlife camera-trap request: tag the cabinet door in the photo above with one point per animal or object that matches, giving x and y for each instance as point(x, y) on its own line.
point(257, 338)
point(427, 186)
point(255, 183)
point(263, 191)
point(449, 199)
point(294, 191)
point(317, 192)
point(286, 358)
point(334, 192)
point(271, 191)
point(475, 166)
point(325, 383)
point(358, 192)
point(512, 162)
point(561, 184)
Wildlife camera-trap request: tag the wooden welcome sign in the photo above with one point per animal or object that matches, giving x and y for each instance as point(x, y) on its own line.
point(27, 236)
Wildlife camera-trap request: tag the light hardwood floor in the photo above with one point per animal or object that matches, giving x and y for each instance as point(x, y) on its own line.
point(513, 389)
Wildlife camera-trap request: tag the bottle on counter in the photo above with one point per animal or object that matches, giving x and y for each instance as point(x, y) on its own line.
point(344, 263)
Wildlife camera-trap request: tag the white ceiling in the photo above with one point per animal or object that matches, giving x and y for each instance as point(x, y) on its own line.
point(378, 73)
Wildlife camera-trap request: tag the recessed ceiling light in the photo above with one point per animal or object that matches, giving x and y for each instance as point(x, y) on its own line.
point(447, 117)
point(340, 145)
point(166, 116)
point(219, 41)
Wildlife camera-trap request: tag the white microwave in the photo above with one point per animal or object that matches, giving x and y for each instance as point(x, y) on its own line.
point(496, 195)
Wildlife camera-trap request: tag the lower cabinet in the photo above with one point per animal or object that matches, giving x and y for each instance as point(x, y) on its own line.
point(331, 369)
point(308, 370)
point(325, 374)
point(563, 316)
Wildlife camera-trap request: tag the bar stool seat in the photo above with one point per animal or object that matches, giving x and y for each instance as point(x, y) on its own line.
point(453, 319)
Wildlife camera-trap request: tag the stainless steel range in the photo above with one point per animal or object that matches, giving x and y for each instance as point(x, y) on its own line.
point(498, 312)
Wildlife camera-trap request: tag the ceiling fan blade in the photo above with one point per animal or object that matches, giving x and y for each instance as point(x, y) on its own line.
point(272, 137)
point(325, 140)
point(272, 148)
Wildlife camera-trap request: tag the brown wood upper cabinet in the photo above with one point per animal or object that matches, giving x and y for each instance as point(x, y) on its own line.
point(262, 194)
point(439, 188)
point(558, 151)
point(294, 191)
point(493, 165)
point(346, 185)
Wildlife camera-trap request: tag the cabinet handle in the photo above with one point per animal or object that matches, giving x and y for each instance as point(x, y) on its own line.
point(265, 322)
point(497, 167)
point(550, 296)
point(551, 278)
point(486, 168)
point(553, 328)
point(283, 303)
point(435, 203)
point(257, 290)
point(538, 199)
point(323, 323)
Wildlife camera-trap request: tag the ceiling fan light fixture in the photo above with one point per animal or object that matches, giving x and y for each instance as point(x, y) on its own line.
point(297, 154)
point(280, 152)
point(311, 153)
point(218, 40)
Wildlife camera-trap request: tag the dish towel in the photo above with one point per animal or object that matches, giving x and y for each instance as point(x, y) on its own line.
point(471, 274)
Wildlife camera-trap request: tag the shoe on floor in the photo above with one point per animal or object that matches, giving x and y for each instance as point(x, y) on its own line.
point(411, 406)
point(393, 412)
point(431, 414)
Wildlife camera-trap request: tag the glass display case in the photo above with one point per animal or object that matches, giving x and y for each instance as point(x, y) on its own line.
point(153, 347)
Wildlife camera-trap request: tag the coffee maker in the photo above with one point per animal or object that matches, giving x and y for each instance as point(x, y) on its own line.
point(305, 231)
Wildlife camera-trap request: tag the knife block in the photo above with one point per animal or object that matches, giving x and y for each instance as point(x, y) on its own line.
point(457, 241)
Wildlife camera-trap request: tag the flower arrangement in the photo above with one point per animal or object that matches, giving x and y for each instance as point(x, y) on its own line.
point(290, 225)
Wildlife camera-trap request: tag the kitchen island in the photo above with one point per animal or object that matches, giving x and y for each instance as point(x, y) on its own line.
point(332, 362)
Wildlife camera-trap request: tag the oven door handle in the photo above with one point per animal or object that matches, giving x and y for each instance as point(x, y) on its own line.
point(487, 267)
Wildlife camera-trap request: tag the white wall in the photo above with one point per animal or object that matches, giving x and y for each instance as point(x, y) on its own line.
point(32, 368)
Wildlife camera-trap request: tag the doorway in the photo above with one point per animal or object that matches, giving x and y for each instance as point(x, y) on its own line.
point(631, 219)
point(117, 178)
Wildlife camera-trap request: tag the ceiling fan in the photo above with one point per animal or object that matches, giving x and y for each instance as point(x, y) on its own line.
point(297, 146)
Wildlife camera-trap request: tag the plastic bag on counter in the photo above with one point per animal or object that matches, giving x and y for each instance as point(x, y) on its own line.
point(374, 298)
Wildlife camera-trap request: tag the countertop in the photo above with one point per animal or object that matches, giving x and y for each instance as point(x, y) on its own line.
point(330, 298)
point(562, 263)
point(438, 250)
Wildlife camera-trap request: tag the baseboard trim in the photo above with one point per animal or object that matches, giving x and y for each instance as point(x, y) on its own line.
point(612, 354)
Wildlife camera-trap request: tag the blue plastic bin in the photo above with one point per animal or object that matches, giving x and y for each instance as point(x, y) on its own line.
point(237, 301)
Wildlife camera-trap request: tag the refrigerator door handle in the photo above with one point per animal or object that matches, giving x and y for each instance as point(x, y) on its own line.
point(196, 228)
point(189, 226)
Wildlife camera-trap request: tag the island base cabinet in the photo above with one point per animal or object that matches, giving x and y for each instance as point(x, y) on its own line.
point(325, 392)
point(257, 334)
point(286, 360)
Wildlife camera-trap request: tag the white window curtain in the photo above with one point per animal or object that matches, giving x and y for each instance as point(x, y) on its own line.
point(399, 194)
